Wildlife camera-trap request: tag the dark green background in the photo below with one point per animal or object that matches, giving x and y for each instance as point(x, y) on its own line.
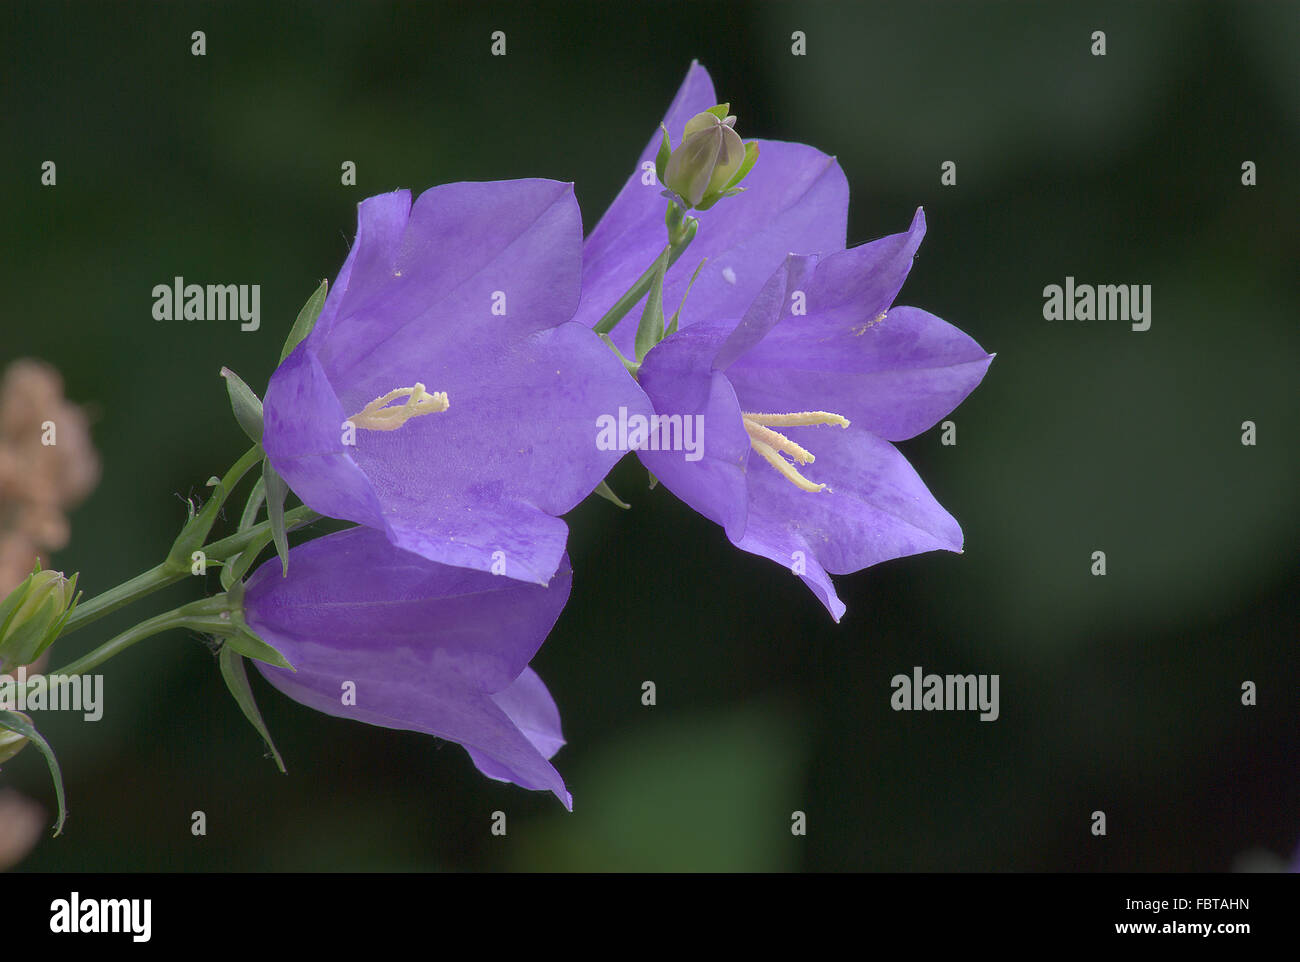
point(1119, 694)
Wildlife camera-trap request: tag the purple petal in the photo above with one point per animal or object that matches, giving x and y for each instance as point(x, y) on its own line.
point(773, 302)
point(896, 378)
point(528, 704)
point(427, 647)
point(876, 508)
point(303, 438)
point(679, 379)
point(380, 222)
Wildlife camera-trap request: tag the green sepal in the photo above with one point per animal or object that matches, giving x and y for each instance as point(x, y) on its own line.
point(672, 324)
point(746, 165)
point(605, 491)
point(232, 670)
point(306, 319)
point(651, 329)
point(10, 604)
point(276, 492)
point(719, 111)
point(195, 533)
point(233, 570)
point(246, 405)
point(653, 480)
point(251, 646)
point(15, 722)
point(661, 159)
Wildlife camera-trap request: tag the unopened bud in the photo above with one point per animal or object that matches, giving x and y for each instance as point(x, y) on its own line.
point(11, 743)
point(710, 160)
point(33, 615)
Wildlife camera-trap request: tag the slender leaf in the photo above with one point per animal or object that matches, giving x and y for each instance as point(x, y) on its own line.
point(17, 723)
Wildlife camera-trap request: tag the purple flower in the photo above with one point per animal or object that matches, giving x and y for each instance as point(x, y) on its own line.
point(386, 637)
point(444, 397)
point(800, 399)
point(796, 199)
point(789, 361)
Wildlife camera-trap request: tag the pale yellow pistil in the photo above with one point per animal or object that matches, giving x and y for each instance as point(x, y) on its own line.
point(772, 445)
point(377, 416)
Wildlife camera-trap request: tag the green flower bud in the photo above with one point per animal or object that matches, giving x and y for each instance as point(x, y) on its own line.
point(33, 615)
point(11, 743)
point(710, 160)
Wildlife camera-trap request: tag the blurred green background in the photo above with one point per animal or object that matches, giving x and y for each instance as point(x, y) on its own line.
point(1119, 694)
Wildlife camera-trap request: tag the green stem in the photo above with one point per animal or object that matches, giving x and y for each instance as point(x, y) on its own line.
point(145, 629)
point(165, 574)
point(679, 241)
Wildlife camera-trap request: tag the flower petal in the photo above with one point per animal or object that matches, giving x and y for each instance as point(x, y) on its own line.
point(875, 509)
point(896, 377)
point(679, 379)
point(303, 437)
point(426, 647)
point(530, 706)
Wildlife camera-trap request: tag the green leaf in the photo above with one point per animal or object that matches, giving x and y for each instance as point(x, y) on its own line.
point(232, 670)
point(651, 329)
point(17, 723)
point(276, 492)
point(672, 325)
point(251, 646)
point(246, 405)
point(653, 480)
point(605, 491)
point(306, 319)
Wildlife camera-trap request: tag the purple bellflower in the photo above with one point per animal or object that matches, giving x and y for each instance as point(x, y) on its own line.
point(777, 351)
point(444, 396)
point(386, 637)
point(820, 369)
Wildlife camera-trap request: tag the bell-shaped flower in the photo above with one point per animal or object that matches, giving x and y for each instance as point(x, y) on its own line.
point(800, 399)
point(386, 637)
point(444, 395)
